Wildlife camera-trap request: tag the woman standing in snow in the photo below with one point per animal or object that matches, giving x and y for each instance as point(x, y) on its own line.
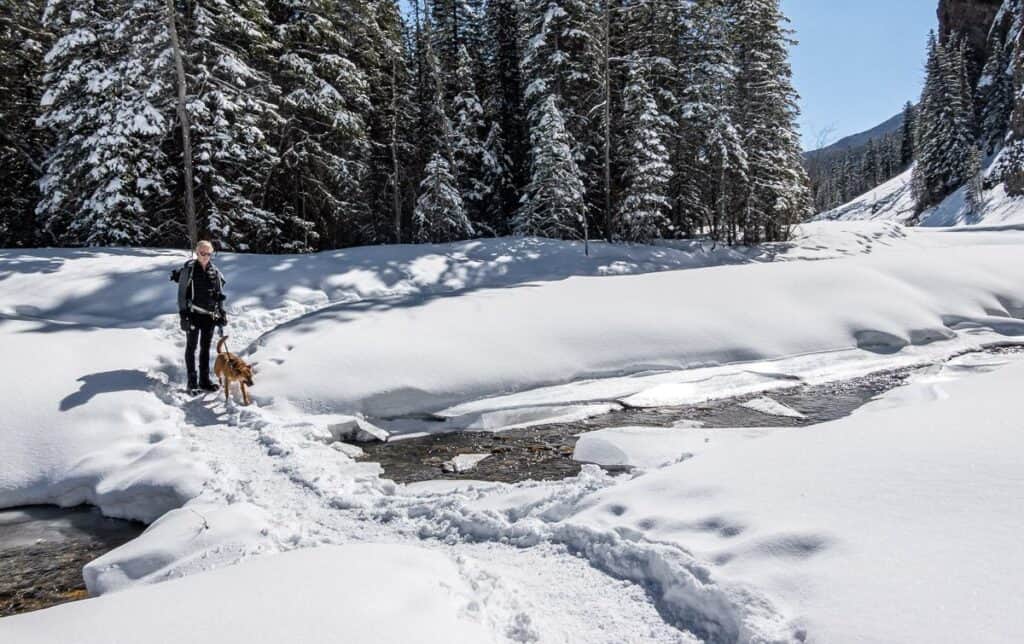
point(201, 307)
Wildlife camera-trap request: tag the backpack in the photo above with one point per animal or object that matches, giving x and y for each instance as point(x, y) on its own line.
point(176, 273)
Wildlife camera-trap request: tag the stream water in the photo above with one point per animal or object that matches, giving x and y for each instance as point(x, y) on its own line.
point(43, 549)
point(545, 452)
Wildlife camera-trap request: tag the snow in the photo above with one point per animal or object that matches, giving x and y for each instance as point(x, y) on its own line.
point(900, 523)
point(424, 355)
point(463, 463)
point(766, 405)
point(652, 447)
point(893, 201)
point(358, 593)
point(708, 536)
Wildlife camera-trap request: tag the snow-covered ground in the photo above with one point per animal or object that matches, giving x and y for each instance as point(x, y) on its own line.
point(893, 201)
point(499, 333)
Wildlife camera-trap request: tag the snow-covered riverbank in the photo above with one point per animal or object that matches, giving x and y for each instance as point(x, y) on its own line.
point(497, 333)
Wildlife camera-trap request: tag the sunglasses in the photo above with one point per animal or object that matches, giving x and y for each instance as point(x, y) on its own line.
point(205, 254)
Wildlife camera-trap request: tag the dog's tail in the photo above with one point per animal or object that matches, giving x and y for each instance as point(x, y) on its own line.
point(220, 344)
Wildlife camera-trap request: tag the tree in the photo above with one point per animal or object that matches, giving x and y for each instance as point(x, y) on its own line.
point(776, 192)
point(23, 145)
point(554, 202)
point(561, 59)
point(439, 214)
point(944, 137)
point(907, 134)
point(233, 106)
point(645, 205)
point(504, 102)
point(468, 146)
point(105, 103)
point(323, 146)
point(975, 182)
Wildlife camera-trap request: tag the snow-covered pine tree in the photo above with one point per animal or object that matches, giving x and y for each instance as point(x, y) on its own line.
point(456, 24)
point(645, 206)
point(105, 103)
point(497, 180)
point(502, 94)
point(439, 215)
point(709, 161)
point(391, 126)
point(1009, 167)
point(23, 145)
point(907, 134)
point(777, 193)
point(233, 104)
point(945, 136)
point(562, 59)
point(975, 184)
point(324, 146)
point(554, 203)
point(995, 95)
point(467, 144)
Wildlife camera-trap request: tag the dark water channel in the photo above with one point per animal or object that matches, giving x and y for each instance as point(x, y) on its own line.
point(545, 452)
point(43, 549)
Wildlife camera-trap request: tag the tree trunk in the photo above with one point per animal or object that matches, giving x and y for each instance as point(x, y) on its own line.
point(186, 142)
point(394, 149)
point(608, 223)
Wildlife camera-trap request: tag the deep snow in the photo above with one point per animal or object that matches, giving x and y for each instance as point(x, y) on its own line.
point(483, 335)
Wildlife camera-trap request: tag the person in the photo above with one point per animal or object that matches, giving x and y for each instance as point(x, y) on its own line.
point(201, 308)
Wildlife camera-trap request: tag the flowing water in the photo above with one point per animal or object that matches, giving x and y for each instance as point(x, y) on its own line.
point(545, 452)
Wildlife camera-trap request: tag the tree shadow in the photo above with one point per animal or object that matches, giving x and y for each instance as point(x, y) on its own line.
point(105, 382)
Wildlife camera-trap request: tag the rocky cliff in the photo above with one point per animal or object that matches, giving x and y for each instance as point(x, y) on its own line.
point(971, 19)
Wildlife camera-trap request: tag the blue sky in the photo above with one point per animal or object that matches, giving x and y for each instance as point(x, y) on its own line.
point(858, 61)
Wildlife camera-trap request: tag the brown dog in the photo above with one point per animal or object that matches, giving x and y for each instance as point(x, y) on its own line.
point(230, 367)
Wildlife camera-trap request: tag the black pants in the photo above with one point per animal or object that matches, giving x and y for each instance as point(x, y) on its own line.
point(200, 332)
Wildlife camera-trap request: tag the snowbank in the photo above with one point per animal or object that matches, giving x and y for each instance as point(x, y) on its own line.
point(901, 523)
point(422, 355)
point(357, 593)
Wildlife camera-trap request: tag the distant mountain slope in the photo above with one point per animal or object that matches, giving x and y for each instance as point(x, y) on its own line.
point(860, 139)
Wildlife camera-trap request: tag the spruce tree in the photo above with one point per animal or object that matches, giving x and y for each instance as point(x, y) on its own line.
point(233, 106)
point(504, 104)
point(907, 134)
point(561, 59)
point(776, 193)
point(105, 103)
point(645, 205)
point(995, 95)
point(323, 148)
point(439, 215)
point(23, 145)
point(468, 145)
point(554, 201)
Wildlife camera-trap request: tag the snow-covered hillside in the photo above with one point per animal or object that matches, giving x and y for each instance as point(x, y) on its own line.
point(496, 333)
point(893, 201)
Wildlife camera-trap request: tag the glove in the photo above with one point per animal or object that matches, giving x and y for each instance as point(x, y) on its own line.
point(222, 319)
point(185, 322)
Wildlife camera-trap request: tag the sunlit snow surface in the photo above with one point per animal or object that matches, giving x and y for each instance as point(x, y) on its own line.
point(839, 532)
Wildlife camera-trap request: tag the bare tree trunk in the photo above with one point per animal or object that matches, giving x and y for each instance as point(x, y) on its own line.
point(607, 123)
point(394, 148)
point(186, 142)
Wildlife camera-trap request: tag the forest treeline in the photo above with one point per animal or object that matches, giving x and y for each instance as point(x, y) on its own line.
point(317, 124)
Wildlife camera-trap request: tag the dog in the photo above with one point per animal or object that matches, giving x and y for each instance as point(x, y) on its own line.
point(229, 367)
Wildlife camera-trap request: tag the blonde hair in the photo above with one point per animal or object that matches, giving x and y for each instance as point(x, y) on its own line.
point(204, 244)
